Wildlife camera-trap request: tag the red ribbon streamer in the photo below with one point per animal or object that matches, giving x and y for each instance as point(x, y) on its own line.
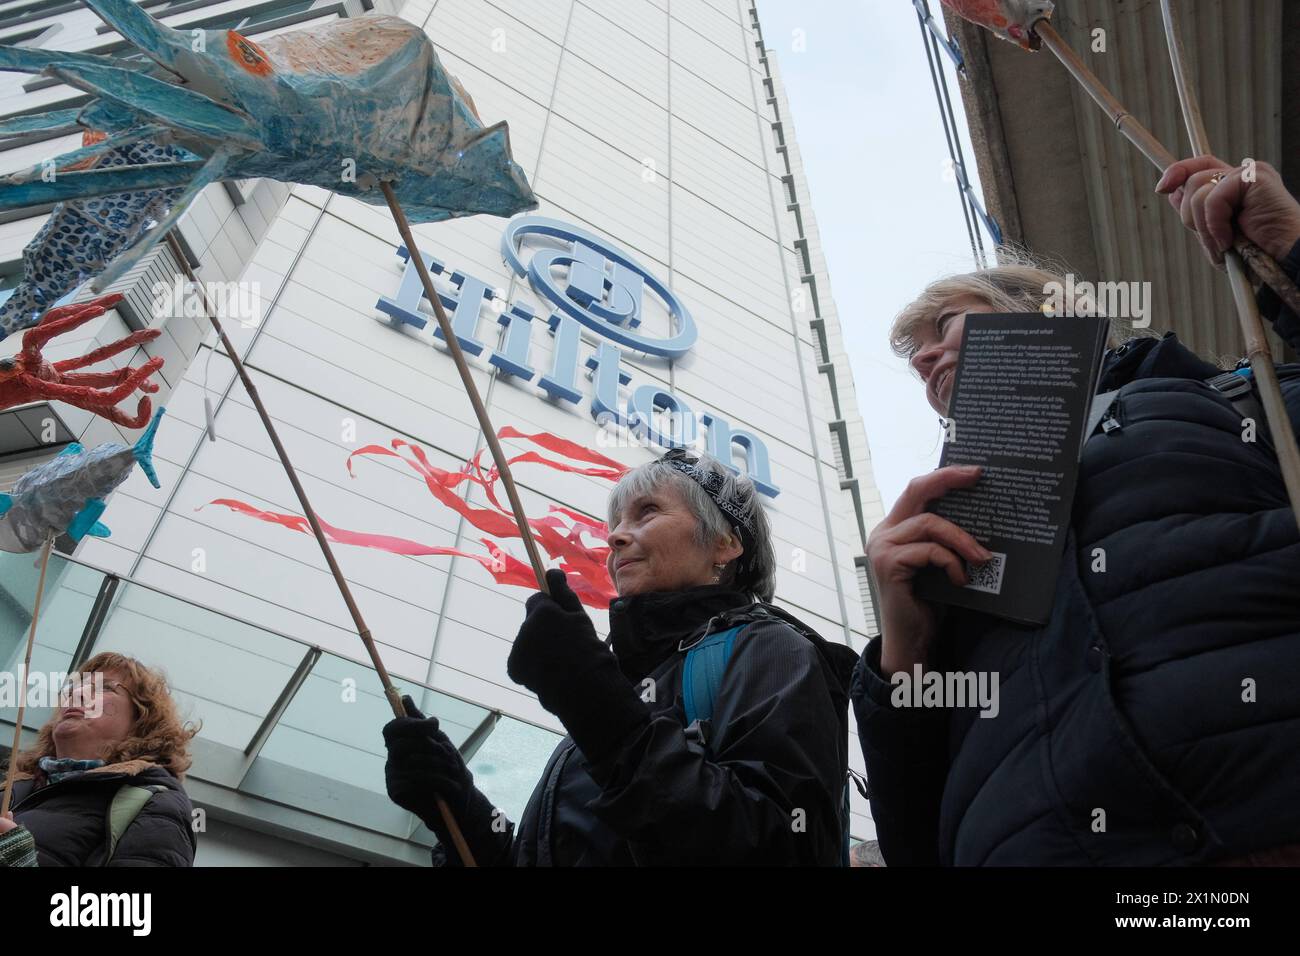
point(584, 564)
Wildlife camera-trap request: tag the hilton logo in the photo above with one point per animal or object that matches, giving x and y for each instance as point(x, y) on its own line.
point(603, 291)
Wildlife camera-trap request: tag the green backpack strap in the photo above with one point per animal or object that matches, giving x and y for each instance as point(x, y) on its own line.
point(126, 806)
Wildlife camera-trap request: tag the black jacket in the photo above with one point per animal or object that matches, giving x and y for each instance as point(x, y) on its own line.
point(69, 819)
point(1154, 719)
point(777, 744)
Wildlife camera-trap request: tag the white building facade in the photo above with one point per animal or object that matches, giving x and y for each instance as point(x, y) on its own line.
point(659, 142)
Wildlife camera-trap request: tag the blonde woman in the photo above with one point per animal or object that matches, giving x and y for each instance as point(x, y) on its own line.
point(102, 785)
point(1154, 719)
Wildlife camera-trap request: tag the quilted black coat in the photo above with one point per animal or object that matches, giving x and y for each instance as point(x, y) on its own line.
point(1155, 719)
point(69, 819)
point(761, 783)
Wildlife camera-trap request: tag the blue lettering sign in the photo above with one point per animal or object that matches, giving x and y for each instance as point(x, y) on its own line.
point(603, 292)
point(564, 368)
point(512, 359)
point(722, 442)
point(640, 414)
point(609, 376)
point(584, 299)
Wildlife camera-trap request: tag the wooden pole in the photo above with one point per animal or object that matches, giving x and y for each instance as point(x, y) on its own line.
point(1260, 262)
point(27, 666)
point(458, 356)
point(390, 692)
point(1252, 325)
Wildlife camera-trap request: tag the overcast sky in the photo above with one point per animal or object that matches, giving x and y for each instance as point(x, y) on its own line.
point(869, 129)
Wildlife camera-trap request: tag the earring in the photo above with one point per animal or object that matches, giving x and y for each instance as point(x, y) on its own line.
point(717, 572)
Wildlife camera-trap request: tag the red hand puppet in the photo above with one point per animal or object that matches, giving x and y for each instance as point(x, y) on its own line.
point(29, 377)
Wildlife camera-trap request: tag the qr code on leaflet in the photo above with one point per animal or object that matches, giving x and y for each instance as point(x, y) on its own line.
point(987, 576)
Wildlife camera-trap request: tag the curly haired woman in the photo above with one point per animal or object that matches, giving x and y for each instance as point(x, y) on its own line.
point(102, 785)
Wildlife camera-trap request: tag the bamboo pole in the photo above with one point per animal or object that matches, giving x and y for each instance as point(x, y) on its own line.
point(27, 666)
point(1252, 326)
point(390, 692)
point(458, 356)
point(1260, 262)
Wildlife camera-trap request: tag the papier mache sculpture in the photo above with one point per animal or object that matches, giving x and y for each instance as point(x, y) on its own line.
point(344, 106)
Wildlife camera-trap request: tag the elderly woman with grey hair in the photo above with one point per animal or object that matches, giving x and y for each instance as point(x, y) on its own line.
point(714, 733)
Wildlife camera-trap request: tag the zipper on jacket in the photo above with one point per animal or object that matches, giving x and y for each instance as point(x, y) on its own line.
point(1113, 421)
point(120, 777)
point(38, 791)
point(546, 815)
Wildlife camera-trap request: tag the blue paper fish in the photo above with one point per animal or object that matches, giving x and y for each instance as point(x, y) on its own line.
point(344, 106)
point(66, 494)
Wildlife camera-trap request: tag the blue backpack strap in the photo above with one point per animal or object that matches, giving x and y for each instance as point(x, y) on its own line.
point(702, 673)
point(706, 662)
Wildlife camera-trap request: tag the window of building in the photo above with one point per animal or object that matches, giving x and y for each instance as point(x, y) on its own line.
point(35, 36)
point(17, 14)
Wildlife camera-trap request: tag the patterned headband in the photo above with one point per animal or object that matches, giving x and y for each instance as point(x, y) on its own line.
point(712, 482)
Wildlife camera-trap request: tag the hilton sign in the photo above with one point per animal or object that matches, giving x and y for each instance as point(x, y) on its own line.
point(603, 292)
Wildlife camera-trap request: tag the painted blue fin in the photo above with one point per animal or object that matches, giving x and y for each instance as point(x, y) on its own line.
point(72, 448)
point(126, 260)
point(156, 40)
point(25, 59)
point(110, 117)
point(143, 449)
point(99, 530)
point(53, 121)
point(61, 163)
point(175, 106)
point(89, 183)
point(6, 502)
point(86, 518)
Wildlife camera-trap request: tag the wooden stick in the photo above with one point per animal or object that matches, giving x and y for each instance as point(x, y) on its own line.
point(1124, 121)
point(458, 356)
point(27, 666)
point(1260, 262)
point(1252, 326)
point(390, 692)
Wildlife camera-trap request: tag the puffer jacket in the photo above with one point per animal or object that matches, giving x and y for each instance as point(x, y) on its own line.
point(69, 819)
point(1155, 718)
point(762, 782)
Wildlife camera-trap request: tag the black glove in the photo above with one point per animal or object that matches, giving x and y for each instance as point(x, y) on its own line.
point(558, 656)
point(423, 764)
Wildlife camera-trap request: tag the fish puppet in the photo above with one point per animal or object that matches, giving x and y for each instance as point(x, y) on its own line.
point(81, 237)
point(345, 106)
point(65, 495)
point(1010, 19)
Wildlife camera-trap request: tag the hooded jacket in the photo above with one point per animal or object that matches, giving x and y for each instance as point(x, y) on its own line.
point(69, 819)
point(760, 783)
point(1154, 719)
